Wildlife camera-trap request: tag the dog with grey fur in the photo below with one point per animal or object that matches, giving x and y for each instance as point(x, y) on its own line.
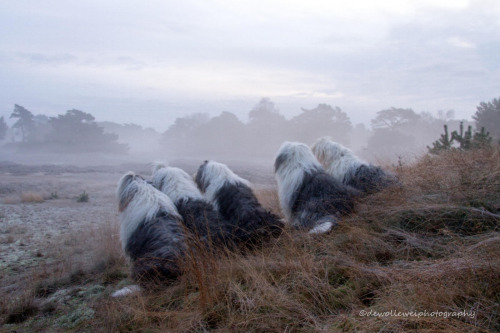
point(234, 199)
point(310, 198)
point(342, 164)
point(199, 216)
point(151, 230)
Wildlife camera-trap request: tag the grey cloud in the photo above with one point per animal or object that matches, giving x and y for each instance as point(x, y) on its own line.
point(46, 59)
point(408, 64)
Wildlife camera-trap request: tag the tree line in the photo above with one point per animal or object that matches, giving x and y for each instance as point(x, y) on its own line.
point(393, 131)
point(74, 131)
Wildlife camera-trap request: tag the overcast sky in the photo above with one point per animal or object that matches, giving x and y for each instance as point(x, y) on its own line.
point(149, 62)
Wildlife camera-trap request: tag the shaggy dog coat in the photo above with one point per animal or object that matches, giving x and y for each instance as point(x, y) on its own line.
point(151, 230)
point(200, 216)
point(310, 198)
point(232, 196)
point(341, 163)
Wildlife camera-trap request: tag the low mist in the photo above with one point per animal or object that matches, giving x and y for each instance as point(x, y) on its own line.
point(77, 138)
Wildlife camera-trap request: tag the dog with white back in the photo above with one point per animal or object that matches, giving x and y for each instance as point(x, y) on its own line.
point(342, 164)
point(151, 230)
point(199, 216)
point(310, 198)
point(233, 197)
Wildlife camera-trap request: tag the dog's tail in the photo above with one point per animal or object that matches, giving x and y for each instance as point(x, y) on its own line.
point(132, 289)
point(324, 225)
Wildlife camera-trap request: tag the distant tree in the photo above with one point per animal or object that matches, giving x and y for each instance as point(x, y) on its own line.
point(359, 137)
point(3, 128)
point(488, 116)
point(264, 112)
point(41, 128)
point(139, 139)
point(221, 135)
point(77, 131)
point(179, 138)
point(394, 118)
point(324, 120)
point(446, 115)
point(404, 131)
point(25, 122)
point(267, 128)
point(388, 143)
point(185, 125)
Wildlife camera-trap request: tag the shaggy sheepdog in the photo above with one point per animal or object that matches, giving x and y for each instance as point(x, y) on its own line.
point(341, 163)
point(310, 198)
point(232, 196)
point(151, 230)
point(200, 217)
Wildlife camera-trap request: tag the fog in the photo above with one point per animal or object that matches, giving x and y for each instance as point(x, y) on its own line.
point(106, 83)
point(152, 63)
point(394, 135)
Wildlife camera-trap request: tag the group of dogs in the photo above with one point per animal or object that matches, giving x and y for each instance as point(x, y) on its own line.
point(160, 217)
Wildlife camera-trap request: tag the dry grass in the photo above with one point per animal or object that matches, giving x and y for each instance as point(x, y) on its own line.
point(24, 197)
point(91, 259)
point(430, 245)
point(31, 197)
point(11, 200)
point(268, 198)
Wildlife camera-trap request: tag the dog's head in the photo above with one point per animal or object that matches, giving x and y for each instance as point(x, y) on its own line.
point(128, 186)
point(175, 182)
point(294, 155)
point(140, 202)
point(212, 175)
point(328, 151)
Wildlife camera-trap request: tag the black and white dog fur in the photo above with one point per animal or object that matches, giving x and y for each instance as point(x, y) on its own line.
point(233, 197)
point(310, 198)
point(341, 163)
point(200, 216)
point(151, 230)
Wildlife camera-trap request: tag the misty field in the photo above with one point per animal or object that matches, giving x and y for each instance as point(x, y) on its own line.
point(421, 257)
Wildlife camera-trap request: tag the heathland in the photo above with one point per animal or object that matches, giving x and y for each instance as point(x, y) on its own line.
point(421, 257)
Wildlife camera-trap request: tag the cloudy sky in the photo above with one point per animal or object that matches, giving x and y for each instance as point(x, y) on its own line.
point(149, 62)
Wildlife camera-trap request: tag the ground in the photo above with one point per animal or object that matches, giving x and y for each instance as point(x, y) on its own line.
point(50, 239)
point(428, 249)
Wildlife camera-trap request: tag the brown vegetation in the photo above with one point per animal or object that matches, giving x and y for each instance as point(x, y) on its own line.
point(31, 197)
point(430, 245)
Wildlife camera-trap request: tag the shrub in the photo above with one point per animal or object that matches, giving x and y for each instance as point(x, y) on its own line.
point(84, 197)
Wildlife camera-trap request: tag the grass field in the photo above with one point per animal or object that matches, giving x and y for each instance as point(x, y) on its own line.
point(423, 257)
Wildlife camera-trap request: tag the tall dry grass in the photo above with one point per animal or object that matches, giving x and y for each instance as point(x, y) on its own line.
point(430, 245)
